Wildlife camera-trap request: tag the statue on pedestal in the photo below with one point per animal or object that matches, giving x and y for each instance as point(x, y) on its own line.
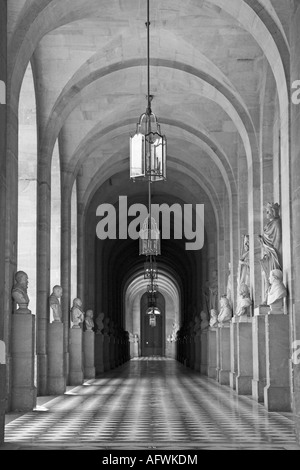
point(213, 322)
point(271, 244)
point(77, 314)
point(99, 323)
point(88, 320)
point(19, 292)
point(54, 302)
point(225, 314)
point(175, 329)
point(243, 276)
point(204, 321)
point(243, 301)
point(277, 291)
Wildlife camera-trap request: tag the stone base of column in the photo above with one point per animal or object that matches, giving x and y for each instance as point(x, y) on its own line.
point(197, 349)
point(203, 352)
point(277, 393)
point(212, 353)
point(259, 353)
point(106, 362)
point(224, 351)
point(233, 353)
point(89, 354)
point(134, 348)
point(170, 350)
point(112, 361)
point(56, 381)
point(99, 353)
point(42, 368)
point(67, 367)
point(2, 400)
point(23, 394)
point(244, 356)
point(76, 359)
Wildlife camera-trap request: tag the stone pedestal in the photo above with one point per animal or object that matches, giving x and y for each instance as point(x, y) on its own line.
point(112, 361)
point(224, 354)
point(106, 362)
point(76, 357)
point(89, 370)
point(2, 390)
point(134, 347)
point(99, 365)
point(171, 349)
point(277, 394)
point(197, 349)
point(212, 353)
point(244, 356)
point(203, 353)
point(23, 396)
point(259, 353)
point(233, 353)
point(56, 381)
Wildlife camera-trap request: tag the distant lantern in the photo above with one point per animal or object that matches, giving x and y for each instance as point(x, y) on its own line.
point(149, 238)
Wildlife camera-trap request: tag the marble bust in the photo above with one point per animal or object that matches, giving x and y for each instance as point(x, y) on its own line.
point(54, 302)
point(19, 291)
point(243, 301)
point(213, 322)
point(88, 320)
point(225, 314)
point(277, 291)
point(77, 314)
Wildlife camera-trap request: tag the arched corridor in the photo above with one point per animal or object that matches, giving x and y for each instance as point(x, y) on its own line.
point(151, 403)
point(150, 223)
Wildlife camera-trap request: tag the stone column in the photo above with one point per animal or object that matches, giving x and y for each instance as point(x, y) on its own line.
point(203, 352)
point(224, 354)
point(233, 353)
point(76, 357)
point(197, 363)
point(259, 353)
point(23, 354)
point(99, 354)
point(2, 390)
point(244, 356)
point(112, 352)
point(277, 393)
point(212, 353)
point(89, 354)
point(56, 380)
point(106, 357)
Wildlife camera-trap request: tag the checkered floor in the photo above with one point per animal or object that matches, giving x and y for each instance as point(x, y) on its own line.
point(150, 403)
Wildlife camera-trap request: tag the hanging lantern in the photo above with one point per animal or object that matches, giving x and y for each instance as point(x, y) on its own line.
point(149, 238)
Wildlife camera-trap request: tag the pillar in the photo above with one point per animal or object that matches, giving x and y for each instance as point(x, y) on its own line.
point(212, 353)
point(106, 361)
point(277, 393)
point(233, 353)
point(112, 362)
point(259, 353)
point(56, 380)
point(76, 357)
point(23, 354)
point(295, 205)
point(244, 356)
point(89, 354)
point(203, 352)
point(224, 354)
point(2, 389)
point(197, 348)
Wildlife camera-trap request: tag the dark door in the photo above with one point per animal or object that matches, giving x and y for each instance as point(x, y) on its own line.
point(152, 330)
